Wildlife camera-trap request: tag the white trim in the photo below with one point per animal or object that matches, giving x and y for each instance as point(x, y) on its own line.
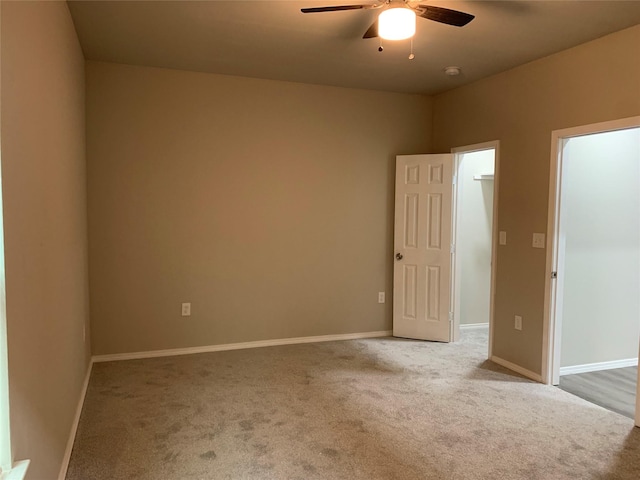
point(551, 326)
point(637, 419)
point(596, 367)
point(495, 145)
point(17, 472)
point(551, 352)
point(476, 147)
point(238, 346)
point(601, 127)
point(474, 326)
point(6, 457)
point(516, 368)
point(74, 426)
point(456, 196)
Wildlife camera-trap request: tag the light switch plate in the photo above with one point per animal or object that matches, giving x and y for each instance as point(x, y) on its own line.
point(538, 240)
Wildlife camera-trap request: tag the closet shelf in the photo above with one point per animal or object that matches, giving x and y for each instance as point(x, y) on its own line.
point(484, 176)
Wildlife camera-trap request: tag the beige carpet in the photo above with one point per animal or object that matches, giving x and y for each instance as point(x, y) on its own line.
point(364, 409)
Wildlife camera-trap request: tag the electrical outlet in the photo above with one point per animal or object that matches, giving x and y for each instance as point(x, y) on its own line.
point(518, 322)
point(538, 240)
point(502, 238)
point(381, 297)
point(186, 309)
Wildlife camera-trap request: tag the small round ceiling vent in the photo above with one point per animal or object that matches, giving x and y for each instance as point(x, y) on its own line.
point(452, 71)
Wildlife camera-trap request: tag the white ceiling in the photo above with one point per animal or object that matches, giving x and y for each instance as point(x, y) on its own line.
point(273, 39)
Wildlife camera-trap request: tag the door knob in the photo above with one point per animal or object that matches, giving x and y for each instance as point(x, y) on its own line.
point(398, 256)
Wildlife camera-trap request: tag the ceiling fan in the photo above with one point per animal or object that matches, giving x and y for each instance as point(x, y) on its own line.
point(405, 12)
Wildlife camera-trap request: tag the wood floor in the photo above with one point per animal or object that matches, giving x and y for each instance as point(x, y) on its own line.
point(612, 389)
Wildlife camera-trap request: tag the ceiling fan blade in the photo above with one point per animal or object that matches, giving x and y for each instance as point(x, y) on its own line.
point(373, 31)
point(336, 8)
point(444, 15)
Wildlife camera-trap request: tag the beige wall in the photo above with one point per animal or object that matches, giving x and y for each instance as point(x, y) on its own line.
point(268, 205)
point(593, 82)
point(43, 182)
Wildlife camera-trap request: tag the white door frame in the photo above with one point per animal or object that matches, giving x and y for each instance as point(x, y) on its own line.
point(455, 268)
point(552, 325)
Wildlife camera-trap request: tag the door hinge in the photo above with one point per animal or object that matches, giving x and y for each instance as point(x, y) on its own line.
point(453, 248)
point(454, 179)
point(451, 317)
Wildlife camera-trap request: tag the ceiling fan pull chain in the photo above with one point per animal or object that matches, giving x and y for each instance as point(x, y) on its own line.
point(411, 55)
point(380, 48)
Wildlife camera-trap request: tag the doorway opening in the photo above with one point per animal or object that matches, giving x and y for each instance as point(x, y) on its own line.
point(592, 329)
point(445, 241)
point(474, 219)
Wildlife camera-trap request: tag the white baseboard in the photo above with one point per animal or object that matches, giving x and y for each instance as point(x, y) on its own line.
point(18, 471)
point(238, 346)
point(594, 367)
point(474, 326)
point(74, 426)
point(517, 368)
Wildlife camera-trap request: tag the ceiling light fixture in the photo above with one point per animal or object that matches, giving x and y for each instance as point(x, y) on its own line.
point(397, 23)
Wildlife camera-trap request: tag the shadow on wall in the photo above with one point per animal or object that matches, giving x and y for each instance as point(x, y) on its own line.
point(506, 375)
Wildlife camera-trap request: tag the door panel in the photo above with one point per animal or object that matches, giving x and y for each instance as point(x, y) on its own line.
point(422, 238)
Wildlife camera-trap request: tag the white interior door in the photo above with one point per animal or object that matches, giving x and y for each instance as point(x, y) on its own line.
point(422, 242)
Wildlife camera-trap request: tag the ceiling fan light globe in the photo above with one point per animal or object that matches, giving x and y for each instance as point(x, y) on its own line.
point(397, 24)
